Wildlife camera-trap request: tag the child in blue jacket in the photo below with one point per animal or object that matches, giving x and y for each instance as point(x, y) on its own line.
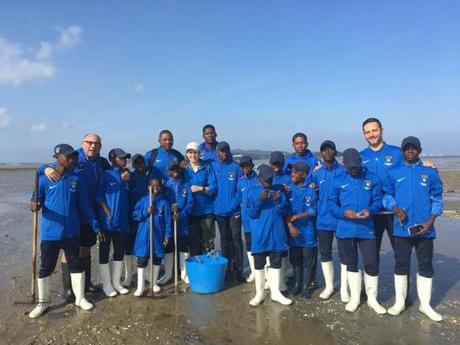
point(138, 182)
point(112, 198)
point(302, 229)
point(179, 195)
point(267, 208)
point(162, 233)
point(354, 199)
point(414, 193)
point(62, 202)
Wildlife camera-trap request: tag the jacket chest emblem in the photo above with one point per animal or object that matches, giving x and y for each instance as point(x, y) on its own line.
point(231, 175)
point(160, 211)
point(184, 192)
point(388, 160)
point(367, 184)
point(424, 180)
point(308, 200)
point(73, 186)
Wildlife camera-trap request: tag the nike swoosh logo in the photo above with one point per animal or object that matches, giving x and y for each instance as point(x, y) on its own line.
point(401, 179)
point(291, 199)
point(321, 181)
point(112, 183)
point(243, 189)
point(366, 161)
point(52, 187)
point(158, 161)
point(344, 185)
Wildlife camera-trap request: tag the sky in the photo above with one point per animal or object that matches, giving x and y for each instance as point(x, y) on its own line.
point(260, 71)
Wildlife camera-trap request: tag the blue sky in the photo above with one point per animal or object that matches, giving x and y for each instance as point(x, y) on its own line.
point(258, 70)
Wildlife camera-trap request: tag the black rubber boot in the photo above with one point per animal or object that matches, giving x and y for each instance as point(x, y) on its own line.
point(67, 294)
point(86, 265)
point(296, 287)
point(306, 283)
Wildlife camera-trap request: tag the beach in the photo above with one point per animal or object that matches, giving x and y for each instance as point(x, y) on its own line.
point(223, 318)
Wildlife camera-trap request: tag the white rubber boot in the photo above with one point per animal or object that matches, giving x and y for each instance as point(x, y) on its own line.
point(259, 278)
point(183, 270)
point(284, 264)
point(274, 276)
point(328, 272)
point(44, 301)
point(372, 287)
point(424, 286)
point(106, 280)
point(140, 282)
point(78, 287)
point(355, 282)
point(168, 262)
point(156, 272)
point(251, 277)
point(400, 295)
point(116, 275)
point(128, 260)
point(344, 291)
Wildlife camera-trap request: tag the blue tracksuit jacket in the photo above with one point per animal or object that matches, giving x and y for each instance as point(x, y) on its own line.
point(114, 192)
point(308, 158)
point(268, 230)
point(162, 226)
point(138, 187)
point(324, 178)
point(227, 175)
point(302, 199)
point(244, 184)
point(179, 192)
point(281, 179)
point(379, 162)
point(203, 203)
point(62, 204)
point(206, 155)
point(416, 189)
point(355, 193)
point(159, 168)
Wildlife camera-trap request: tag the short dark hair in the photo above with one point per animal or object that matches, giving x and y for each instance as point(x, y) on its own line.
point(372, 119)
point(165, 131)
point(209, 126)
point(299, 135)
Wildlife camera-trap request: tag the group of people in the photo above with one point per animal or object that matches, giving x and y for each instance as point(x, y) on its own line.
point(287, 209)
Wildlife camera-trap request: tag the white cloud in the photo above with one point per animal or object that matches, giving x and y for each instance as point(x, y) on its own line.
point(70, 36)
point(18, 65)
point(39, 127)
point(138, 87)
point(4, 117)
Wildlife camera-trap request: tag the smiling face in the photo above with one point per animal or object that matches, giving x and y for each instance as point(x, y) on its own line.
point(156, 186)
point(223, 154)
point(139, 166)
point(277, 166)
point(297, 176)
point(246, 168)
point(166, 141)
point(174, 172)
point(193, 156)
point(91, 145)
point(373, 134)
point(411, 153)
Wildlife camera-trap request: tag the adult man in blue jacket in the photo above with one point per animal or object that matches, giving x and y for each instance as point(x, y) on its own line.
point(63, 203)
point(354, 199)
point(414, 193)
point(208, 148)
point(227, 209)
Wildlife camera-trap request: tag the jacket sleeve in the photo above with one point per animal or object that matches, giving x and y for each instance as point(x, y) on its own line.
point(376, 204)
point(212, 182)
point(187, 210)
point(437, 204)
point(85, 207)
point(389, 201)
point(140, 210)
point(168, 220)
point(236, 202)
point(282, 206)
point(100, 189)
point(334, 202)
point(254, 203)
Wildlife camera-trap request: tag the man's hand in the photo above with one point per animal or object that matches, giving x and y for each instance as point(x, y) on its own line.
point(165, 242)
point(34, 205)
point(350, 214)
point(429, 164)
point(364, 214)
point(400, 214)
point(100, 236)
point(293, 231)
point(125, 175)
point(264, 195)
point(196, 188)
point(52, 174)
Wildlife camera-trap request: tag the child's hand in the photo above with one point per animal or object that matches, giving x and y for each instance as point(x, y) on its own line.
point(293, 231)
point(149, 210)
point(350, 214)
point(276, 195)
point(165, 242)
point(364, 214)
point(174, 208)
point(196, 188)
point(100, 236)
point(34, 205)
point(264, 195)
point(175, 217)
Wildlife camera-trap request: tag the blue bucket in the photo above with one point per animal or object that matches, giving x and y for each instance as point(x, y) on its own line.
point(206, 273)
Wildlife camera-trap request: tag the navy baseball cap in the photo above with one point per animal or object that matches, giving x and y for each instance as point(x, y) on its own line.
point(173, 163)
point(120, 153)
point(351, 158)
point(265, 172)
point(137, 156)
point(327, 143)
point(300, 167)
point(245, 160)
point(63, 149)
point(223, 145)
point(276, 157)
point(411, 140)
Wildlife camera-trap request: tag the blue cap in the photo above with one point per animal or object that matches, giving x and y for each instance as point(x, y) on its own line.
point(300, 167)
point(276, 157)
point(351, 158)
point(120, 153)
point(327, 143)
point(63, 149)
point(411, 141)
point(265, 172)
point(173, 163)
point(223, 145)
point(137, 156)
point(245, 160)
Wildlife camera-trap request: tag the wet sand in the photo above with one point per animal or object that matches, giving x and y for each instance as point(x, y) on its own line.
point(223, 318)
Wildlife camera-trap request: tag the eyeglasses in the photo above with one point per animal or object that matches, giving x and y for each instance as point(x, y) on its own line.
point(90, 143)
